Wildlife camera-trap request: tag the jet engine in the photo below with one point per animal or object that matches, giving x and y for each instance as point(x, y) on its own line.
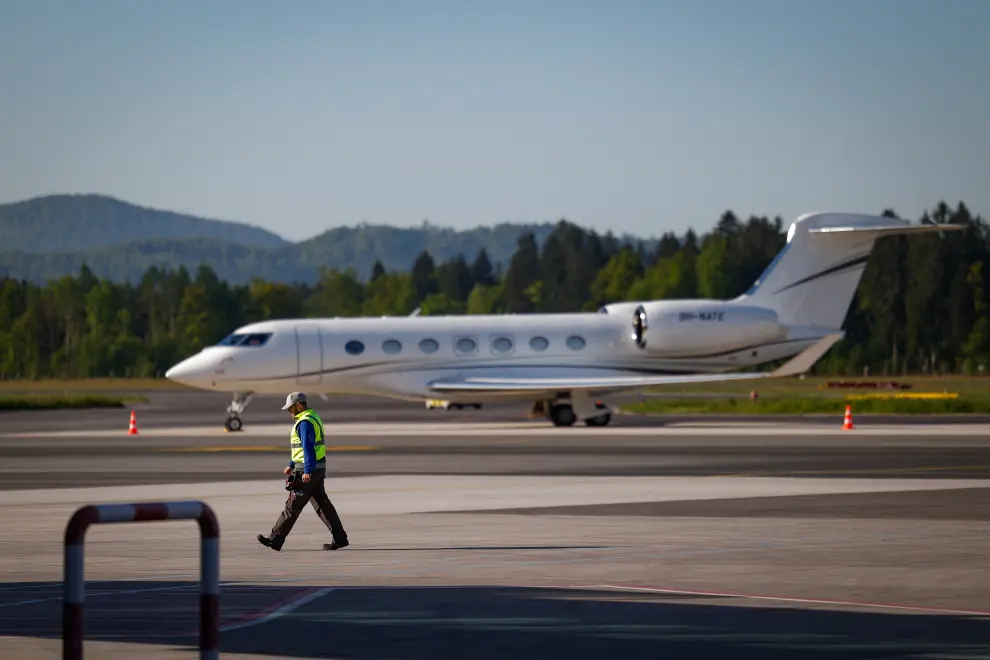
point(693, 328)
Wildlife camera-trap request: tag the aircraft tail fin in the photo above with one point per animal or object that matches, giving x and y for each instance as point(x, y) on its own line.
point(812, 280)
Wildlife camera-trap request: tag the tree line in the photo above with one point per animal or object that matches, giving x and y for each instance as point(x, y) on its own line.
point(921, 305)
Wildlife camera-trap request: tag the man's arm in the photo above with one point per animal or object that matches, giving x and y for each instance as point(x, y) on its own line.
point(308, 436)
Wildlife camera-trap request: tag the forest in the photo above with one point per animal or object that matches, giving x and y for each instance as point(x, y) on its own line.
point(921, 306)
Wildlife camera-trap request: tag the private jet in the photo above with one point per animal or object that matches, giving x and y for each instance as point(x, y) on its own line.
point(566, 364)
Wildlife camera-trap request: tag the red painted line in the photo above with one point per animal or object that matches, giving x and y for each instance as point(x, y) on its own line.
point(276, 609)
point(258, 614)
point(789, 599)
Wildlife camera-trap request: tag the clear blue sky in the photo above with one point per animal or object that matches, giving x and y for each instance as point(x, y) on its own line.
point(643, 116)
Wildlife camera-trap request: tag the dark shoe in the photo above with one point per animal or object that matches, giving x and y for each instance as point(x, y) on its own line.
point(336, 545)
point(274, 544)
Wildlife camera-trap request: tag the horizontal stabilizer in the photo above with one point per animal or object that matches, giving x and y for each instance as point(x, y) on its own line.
point(799, 364)
point(807, 358)
point(886, 230)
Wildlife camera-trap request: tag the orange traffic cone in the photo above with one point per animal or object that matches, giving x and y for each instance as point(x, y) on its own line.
point(133, 429)
point(847, 425)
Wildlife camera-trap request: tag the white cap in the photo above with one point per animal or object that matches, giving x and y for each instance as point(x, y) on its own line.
point(295, 397)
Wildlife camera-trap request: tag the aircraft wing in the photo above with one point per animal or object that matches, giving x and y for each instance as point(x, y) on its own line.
point(797, 365)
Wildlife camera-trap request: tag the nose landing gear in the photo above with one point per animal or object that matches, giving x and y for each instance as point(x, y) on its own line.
point(234, 411)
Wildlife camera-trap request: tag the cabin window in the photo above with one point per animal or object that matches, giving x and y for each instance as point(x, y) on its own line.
point(466, 346)
point(575, 343)
point(391, 346)
point(354, 347)
point(539, 343)
point(429, 346)
point(501, 344)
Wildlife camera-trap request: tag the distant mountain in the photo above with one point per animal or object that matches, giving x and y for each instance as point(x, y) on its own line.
point(121, 241)
point(67, 223)
point(355, 248)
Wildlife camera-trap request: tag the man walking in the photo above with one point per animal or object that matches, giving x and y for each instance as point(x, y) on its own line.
point(308, 457)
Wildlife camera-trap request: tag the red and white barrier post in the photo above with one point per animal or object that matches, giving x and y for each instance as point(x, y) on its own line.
point(74, 583)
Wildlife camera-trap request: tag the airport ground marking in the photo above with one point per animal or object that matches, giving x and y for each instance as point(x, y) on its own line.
point(786, 599)
point(278, 610)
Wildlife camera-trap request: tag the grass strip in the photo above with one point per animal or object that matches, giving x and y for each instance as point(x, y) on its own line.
point(87, 385)
point(64, 402)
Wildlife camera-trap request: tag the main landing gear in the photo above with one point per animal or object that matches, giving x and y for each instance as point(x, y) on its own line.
point(561, 412)
point(234, 411)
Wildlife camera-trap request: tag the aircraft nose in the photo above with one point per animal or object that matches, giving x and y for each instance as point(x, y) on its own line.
point(195, 371)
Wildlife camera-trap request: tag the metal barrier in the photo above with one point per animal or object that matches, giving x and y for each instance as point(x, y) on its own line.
point(74, 585)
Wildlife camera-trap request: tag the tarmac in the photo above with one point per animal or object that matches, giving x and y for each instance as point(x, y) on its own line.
point(484, 534)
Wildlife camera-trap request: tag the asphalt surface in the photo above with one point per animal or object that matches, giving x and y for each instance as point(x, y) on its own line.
point(188, 408)
point(483, 534)
point(405, 438)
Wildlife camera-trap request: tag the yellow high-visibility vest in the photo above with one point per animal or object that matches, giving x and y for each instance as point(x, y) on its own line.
point(295, 442)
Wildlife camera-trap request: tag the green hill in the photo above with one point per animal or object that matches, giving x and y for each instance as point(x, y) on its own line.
point(128, 263)
point(46, 238)
point(68, 223)
point(397, 247)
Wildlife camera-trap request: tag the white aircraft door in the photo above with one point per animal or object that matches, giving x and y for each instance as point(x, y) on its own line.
point(309, 354)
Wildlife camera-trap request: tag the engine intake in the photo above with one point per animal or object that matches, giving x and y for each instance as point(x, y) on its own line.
point(640, 326)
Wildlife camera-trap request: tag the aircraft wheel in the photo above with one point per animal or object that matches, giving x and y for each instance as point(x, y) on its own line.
point(562, 415)
point(233, 423)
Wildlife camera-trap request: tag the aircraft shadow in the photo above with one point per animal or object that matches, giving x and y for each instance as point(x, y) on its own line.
point(424, 623)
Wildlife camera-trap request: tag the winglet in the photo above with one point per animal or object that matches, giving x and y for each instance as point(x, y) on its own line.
point(806, 359)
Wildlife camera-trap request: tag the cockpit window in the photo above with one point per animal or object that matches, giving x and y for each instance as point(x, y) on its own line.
point(256, 339)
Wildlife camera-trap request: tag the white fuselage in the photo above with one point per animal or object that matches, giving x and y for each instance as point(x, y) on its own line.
point(400, 356)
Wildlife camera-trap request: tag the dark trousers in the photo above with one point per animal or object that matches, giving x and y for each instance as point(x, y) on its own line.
point(315, 493)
